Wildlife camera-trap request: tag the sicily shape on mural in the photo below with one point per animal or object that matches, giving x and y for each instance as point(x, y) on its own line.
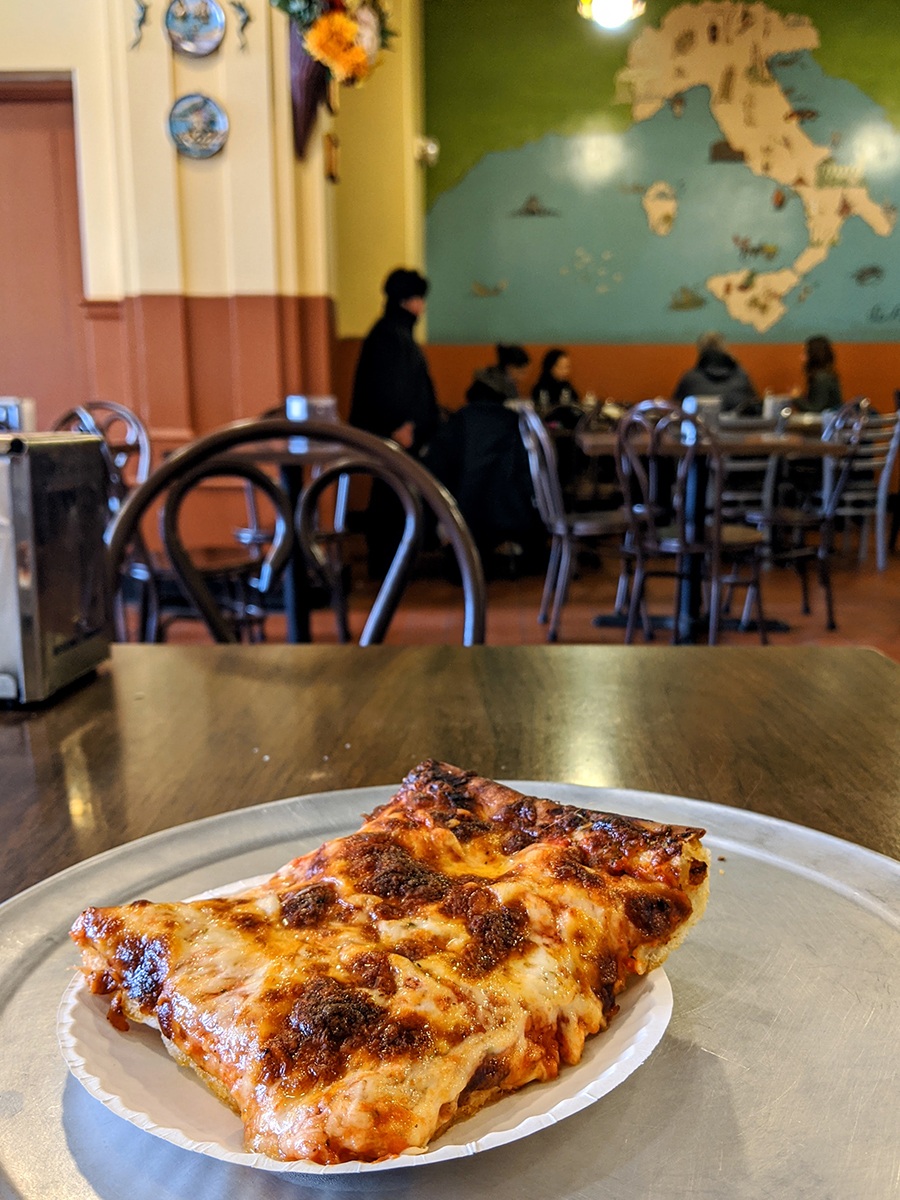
point(750, 193)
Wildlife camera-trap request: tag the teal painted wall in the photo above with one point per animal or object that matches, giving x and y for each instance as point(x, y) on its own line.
point(634, 187)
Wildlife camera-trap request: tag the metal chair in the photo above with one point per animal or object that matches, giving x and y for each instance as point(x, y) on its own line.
point(567, 530)
point(747, 481)
point(126, 440)
point(866, 489)
point(799, 535)
point(355, 451)
point(664, 457)
point(179, 582)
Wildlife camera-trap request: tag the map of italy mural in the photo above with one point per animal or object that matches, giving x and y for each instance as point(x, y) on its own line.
point(752, 193)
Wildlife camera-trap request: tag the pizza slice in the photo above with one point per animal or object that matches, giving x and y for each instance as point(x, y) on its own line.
point(463, 943)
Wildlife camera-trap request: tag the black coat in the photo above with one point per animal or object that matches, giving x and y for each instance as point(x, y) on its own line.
point(479, 457)
point(718, 374)
point(823, 391)
point(392, 384)
point(549, 393)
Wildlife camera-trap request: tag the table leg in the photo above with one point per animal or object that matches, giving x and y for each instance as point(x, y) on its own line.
point(296, 578)
point(690, 588)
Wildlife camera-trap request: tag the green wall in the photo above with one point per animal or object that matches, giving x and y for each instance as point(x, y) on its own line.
point(500, 74)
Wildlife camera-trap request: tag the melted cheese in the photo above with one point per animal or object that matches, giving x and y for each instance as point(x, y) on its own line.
point(462, 944)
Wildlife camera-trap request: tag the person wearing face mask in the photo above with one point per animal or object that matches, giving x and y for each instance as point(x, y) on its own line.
point(393, 396)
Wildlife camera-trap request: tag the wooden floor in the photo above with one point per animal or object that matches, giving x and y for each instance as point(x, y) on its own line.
point(867, 605)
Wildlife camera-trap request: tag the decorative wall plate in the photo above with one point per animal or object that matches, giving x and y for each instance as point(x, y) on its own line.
point(198, 125)
point(195, 26)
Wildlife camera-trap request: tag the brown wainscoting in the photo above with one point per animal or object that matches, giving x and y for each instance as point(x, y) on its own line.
point(188, 364)
point(630, 373)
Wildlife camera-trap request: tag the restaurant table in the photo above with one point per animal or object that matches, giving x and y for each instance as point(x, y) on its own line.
point(774, 1075)
point(734, 443)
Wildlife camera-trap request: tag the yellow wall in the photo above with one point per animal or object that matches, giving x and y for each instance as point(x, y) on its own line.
point(249, 221)
point(380, 197)
point(74, 37)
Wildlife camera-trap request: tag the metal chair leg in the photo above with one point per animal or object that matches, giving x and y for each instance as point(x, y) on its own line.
point(621, 605)
point(760, 615)
point(825, 581)
point(881, 536)
point(804, 586)
point(562, 587)
point(637, 599)
point(550, 580)
point(715, 601)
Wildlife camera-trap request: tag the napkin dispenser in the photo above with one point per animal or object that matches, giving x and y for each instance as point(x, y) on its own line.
point(309, 408)
point(707, 408)
point(55, 612)
point(17, 413)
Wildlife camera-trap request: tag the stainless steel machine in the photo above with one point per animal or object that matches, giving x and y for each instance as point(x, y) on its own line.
point(55, 611)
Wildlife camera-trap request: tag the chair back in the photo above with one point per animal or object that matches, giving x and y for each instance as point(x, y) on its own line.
point(250, 579)
point(543, 466)
point(354, 451)
point(869, 474)
point(126, 441)
point(656, 453)
point(846, 428)
point(748, 481)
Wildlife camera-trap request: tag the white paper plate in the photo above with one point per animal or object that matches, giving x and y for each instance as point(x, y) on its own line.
point(134, 1076)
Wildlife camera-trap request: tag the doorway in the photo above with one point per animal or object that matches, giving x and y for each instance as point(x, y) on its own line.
point(42, 330)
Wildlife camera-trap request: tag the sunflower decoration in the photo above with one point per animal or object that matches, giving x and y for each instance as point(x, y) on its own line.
point(346, 36)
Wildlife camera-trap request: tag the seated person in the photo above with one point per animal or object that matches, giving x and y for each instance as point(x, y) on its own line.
point(823, 387)
point(553, 395)
point(507, 373)
point(716, 373)
point(479, 457)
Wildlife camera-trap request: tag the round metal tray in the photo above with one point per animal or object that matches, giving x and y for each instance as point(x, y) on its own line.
point(776, 1075)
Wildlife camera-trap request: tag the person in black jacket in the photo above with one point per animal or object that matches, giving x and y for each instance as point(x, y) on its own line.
point(553, 393)
point(507, 373)
point(823, 387)
point(393, 396)
point(717, 373)
point(479, 457)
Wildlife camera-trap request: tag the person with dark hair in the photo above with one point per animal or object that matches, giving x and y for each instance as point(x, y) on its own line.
point(553, 389)
point(717, 373)
point(480, 458)
point(505, 376)
point(393, 396)
point(823, 387)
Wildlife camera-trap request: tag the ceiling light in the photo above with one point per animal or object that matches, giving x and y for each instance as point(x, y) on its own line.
point(611, 14)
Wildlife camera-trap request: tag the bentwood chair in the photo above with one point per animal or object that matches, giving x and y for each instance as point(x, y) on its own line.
point(747, 480)
point(670, 472)
point(567, 530)
point(239, 578)
point(350, 451)
point(800, 534)
point(866, 489)
point(125, 438)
